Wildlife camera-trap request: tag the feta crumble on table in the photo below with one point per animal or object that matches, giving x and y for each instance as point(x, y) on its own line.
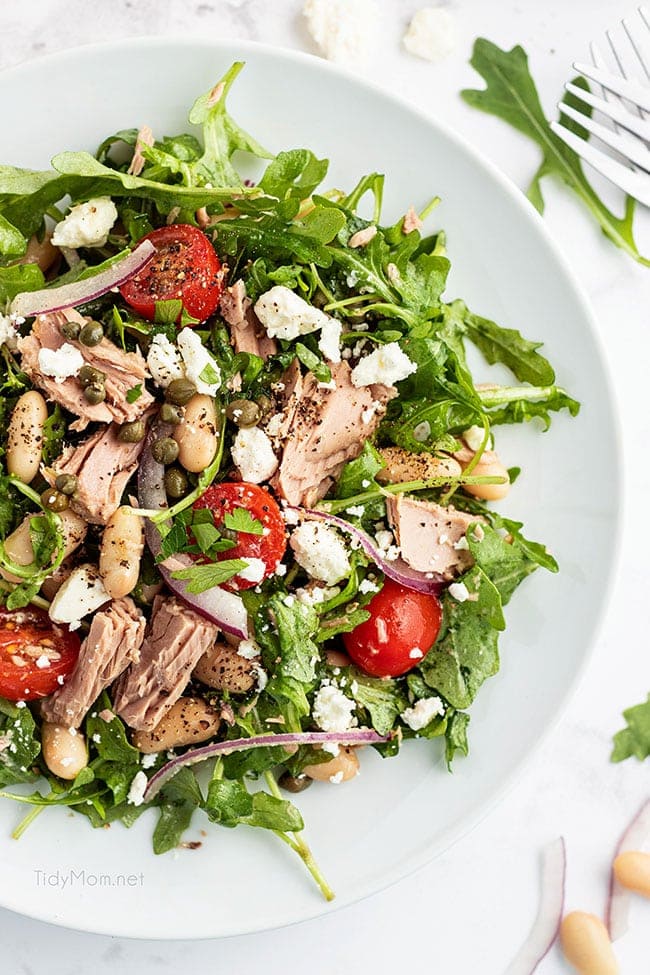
point(320, 551)
point(252, 453)
point(332, 710)
point(60, 364)
point(344, 31)
point(136, 790)
point(87, 225)
point(164, 361)
point(422, 713)
point(431, 34)
point(459, 592)
point(387, 365)
point(198, 362)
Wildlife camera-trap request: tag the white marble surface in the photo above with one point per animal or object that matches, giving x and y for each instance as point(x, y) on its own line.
point(468, 910)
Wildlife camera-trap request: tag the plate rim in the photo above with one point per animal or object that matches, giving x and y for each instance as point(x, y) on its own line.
point(432, 849)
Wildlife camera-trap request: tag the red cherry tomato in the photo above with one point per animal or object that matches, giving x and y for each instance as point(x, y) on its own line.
point(269, 546)
point(401, 622)
point(184, 266)
point(27, 636)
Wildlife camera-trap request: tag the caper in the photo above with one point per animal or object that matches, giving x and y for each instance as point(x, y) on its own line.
point(54, 500)
point(66, 483)
point(243, 412)
point(88, 374)
point(170, 413)
point(91, 334)
point(294, 783)
point(180, 391)
point(176, 483)
point(132, 432)
point(165, 450)
point(265, 404)
point(70, 330)
point(95, 393)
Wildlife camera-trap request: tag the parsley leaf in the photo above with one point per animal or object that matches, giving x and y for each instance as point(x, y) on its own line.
point(200, 578)
point(241, 520)
point(511, 95)
point(134, 393)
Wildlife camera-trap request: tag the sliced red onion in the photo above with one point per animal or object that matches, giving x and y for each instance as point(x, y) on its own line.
point(357, 736)
point(549, 916)
point(618, 900)
point(224, 608)
point(29, 303)
point(396, 569)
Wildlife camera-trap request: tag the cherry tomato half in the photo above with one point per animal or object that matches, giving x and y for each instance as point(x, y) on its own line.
point(184, 266)
point(401, 622)
point(27, 637)
point(268, 545)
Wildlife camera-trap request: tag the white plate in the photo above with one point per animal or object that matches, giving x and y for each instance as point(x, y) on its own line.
point(399, 813)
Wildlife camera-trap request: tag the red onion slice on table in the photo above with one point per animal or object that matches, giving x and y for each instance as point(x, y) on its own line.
point(549, 916)
point(618, 900)
point(357, 736)
point(396, 569)
point(46, 300)
point(224, 608)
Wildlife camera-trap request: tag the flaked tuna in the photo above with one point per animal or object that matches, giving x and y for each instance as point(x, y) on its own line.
point(246, 331)
point(428, 535)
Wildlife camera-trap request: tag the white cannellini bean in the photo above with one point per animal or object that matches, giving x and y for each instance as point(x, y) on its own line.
point(25, 436)
point(189, 721)
point(341, 768)
point(18, 545)
point(64, 750)
point(196, 434)
point(121, 551)
point(586, 944)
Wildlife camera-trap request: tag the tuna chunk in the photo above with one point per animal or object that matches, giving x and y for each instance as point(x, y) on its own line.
point(328, 428)
point(427, 535)
point(247, 333)
point(113, 642)
point(175, 641)
point(123, 370)
point(102, 465)
point(287, 395)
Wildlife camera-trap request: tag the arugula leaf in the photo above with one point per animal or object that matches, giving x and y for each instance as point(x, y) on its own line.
point(178, 800)
point(203, 577)
point(456, 736)
point(293, 174)
point(508, 346)
point(507, 563)
point(54, 430)
point(466, 653)
point(21, 746)
point(293, 652)
point(12, 242)
point(19, 278)
point(511, 95)
point(229, 803)
point(241, 520)
point(633, 740)
point(383, 698)
point(359, 474)
point(520, 404)
point(312, 362)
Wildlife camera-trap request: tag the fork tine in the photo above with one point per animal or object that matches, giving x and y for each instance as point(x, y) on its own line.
point(630, 182)
point(644, 15)
point(635, 47)
point(630, 90)
point(612, 110)
point(632, 150)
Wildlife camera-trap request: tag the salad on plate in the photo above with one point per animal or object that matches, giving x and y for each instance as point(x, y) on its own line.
point(246, 475)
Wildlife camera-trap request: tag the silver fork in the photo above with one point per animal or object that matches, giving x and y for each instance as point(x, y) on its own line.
point(624, 101)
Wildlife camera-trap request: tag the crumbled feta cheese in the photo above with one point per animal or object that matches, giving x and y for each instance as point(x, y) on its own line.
point(343, 31)
point(337, 778)
point(352, 279)
point(8, 332)
point(331, 747)
point(280, 570)
point(262, 679)
point(21, 704)
point(367, 585)
point(330, 340)
point(317, 595)
point(422, 712)
point(274, 424)
point(254, 571)
point(148, 761)
point(416, 654)
point(43, 661)
point(384, 539)
point(164, 361)
point(285, 315)
point(320, 551)
point(473, 437)
point(356, 510)
point(248, 649)
point(136, 789)
point(252, 454)
point(461, 545)
point(459, 591)
point(431, 34)
point(198, 363)
point(82, 592)
point(87, 224)
point(422, 431)
point(60, 363)
point(386, 365)
point(330, 385)
point(332, 710)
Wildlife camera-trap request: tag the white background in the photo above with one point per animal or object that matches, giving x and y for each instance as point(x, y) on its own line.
point(468, 910)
